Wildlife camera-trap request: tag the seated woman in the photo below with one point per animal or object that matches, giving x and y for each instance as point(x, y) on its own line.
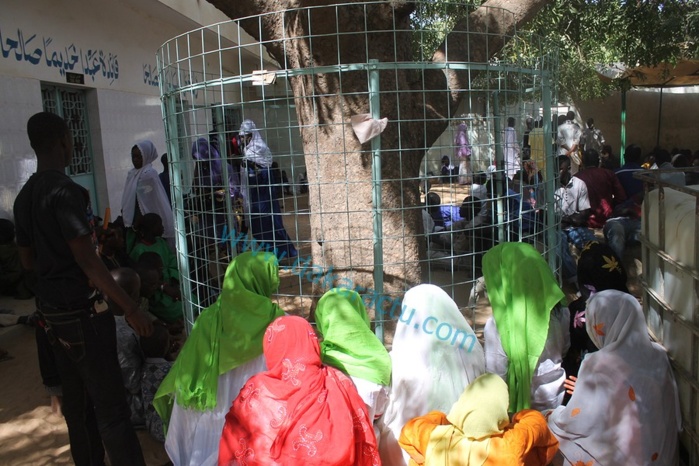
point(435, 355)
point(350, 345)
point(222, 352)
point(298, 412)
point(624, 408)
point(527, 336)
point(599, 269)
point(478, 431)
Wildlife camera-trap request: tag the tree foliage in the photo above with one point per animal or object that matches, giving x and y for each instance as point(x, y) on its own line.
point(587, 33)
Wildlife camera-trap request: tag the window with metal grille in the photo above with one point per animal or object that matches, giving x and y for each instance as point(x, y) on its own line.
point(70, 104)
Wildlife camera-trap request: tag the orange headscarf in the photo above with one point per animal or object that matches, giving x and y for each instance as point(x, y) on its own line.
point(299, 412)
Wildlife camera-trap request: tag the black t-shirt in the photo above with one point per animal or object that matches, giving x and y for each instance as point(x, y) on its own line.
point(49, 211)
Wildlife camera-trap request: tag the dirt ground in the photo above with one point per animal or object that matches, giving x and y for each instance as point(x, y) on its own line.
point(31, 434)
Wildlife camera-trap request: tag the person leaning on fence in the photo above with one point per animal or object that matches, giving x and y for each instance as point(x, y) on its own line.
point(435, 355)
point(299, 412)
point(625, 407)
point(349, 344)
point(524, 294)
point(56, 239)
point(223, 351)
point(478, 431)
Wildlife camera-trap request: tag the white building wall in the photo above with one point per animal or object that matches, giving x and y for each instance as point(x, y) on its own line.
point(20, 98)
point(113, 44)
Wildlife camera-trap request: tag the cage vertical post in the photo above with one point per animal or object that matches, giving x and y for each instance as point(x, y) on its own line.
point(375, 109)
point(501, 170)
point(175, 167)
point(622, 149)
point(552, 237)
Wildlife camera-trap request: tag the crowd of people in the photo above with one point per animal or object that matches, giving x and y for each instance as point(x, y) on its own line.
point(550, 383)
point(593, 192)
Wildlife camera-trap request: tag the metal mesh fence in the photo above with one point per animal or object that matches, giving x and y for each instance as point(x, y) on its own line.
point(378, 216)
point(670, 293)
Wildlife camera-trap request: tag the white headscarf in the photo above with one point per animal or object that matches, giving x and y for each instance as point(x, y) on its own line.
point(625, 408)
point(257, 150)
point(143, 185)
point(429, 373)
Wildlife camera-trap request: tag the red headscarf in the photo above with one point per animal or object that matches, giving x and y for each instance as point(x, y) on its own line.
point(299, 412)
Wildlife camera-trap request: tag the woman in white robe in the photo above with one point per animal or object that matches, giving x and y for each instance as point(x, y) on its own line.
point(624, 408)
point(435, 355)
point(144, 193)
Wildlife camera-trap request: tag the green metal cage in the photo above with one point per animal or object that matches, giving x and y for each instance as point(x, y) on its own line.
point(214, 78)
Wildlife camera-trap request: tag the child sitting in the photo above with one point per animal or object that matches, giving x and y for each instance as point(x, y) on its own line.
point(448, 171)
point(163, 299)
point(165, 303)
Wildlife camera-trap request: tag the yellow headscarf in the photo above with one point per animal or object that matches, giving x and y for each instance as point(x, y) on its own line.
point(480, 413)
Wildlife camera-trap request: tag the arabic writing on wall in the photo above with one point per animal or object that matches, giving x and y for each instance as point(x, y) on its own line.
point(30, 49)
point(174, 78)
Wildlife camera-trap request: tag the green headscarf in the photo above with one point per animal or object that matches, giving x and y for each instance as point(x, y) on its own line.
point(522, 292)
point(226, 334)
point(348, 342)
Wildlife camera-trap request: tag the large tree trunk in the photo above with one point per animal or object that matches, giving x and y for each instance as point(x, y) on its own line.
point(339, 167)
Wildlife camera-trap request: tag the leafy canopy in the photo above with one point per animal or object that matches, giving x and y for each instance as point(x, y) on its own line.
point(586, 33)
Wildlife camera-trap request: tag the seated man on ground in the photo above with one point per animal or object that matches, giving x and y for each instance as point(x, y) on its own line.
point(603, 188)
point(663, 160)
point(624, 226)
point(632, 164)
point(473, 233)
point(443, 215)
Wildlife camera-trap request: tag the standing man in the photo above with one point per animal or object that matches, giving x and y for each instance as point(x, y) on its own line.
point(56, 240)
point(572, 203)
point(592, 138)
point(569, 140)
point(512, 150)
